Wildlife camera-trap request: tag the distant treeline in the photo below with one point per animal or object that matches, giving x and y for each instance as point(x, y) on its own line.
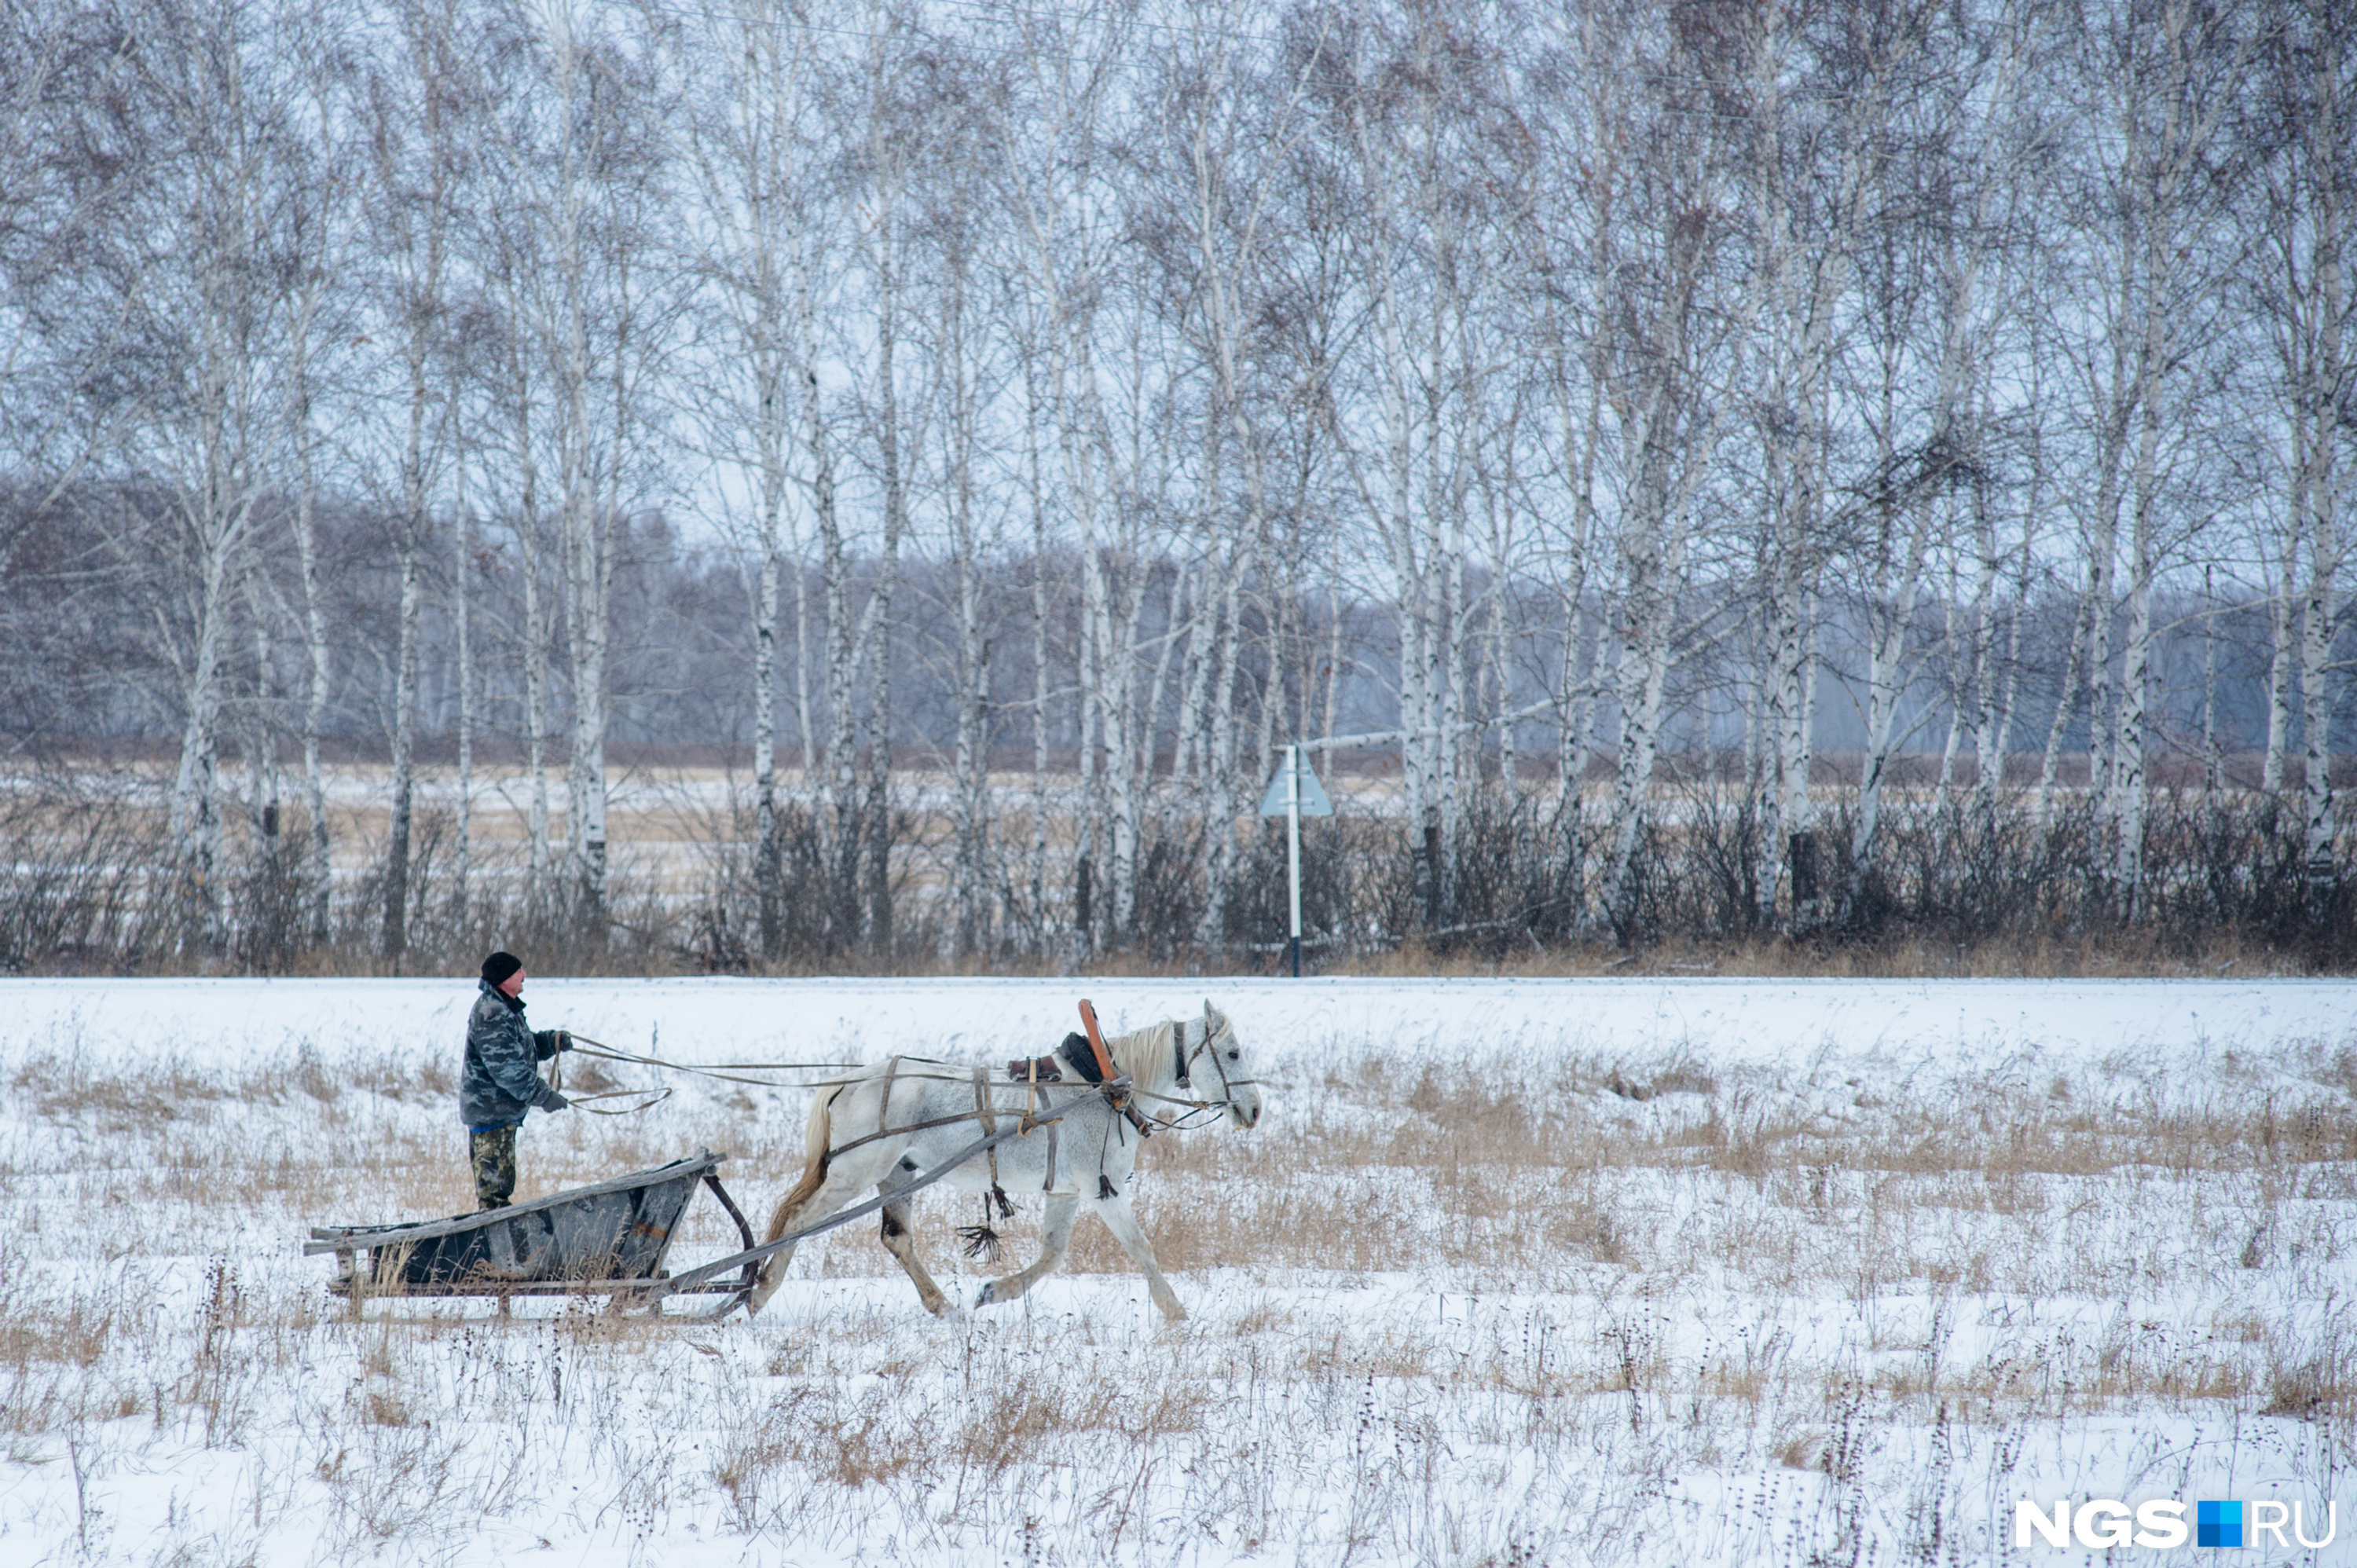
point(1663, 395)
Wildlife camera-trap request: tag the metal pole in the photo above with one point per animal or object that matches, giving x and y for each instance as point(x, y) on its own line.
point(1293, 844)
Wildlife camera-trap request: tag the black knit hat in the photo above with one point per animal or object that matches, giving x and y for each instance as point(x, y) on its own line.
point(499, 967)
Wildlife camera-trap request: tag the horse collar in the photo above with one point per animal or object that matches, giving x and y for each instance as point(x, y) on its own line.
point(1178, 1051)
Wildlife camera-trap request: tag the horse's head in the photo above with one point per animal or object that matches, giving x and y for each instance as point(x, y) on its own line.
point(1224, 1055)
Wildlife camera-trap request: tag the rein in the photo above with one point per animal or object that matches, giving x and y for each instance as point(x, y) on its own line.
point(654, 1097)
point(1190, 1113)
point(650, 1098)
point(604, 1052)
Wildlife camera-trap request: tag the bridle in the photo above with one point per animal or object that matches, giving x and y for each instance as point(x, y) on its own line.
point(1184, 1060)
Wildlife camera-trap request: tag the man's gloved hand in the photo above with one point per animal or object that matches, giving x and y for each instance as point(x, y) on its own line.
point(564, 1040)
point(554, 1102)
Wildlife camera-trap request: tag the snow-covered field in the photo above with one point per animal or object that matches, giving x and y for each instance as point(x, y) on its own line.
point(1513, 1272)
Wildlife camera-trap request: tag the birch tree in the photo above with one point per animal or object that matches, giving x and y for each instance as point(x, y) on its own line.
point(2160, 75)
point(1413, 132)
point(957, 216)
point(206, 291)
point(1819, 140)
point(892, 120)
point(594, 318)
point(1055, 161)
point(1654, 204)
point(415, 135)
point(1936, 305)
point(749, 144)
point(1220, 128)
point(323, 221)
point(75, 156)
point(2306, 232)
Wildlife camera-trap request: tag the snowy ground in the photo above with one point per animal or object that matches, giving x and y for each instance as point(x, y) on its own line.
point(1514, 1272)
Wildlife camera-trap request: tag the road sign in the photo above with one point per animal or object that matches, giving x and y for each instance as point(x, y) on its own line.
point(1294, 794)
point(1314, 803)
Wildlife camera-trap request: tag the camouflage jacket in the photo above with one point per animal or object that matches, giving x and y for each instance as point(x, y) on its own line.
point(502, 1080)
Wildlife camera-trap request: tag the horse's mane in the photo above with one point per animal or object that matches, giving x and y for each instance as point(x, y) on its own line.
point(1143, 1055)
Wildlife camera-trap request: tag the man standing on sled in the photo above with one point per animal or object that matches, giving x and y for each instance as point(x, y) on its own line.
point(502, 1080)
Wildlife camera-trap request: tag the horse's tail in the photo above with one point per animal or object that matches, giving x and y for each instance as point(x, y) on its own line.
point(816, 1137)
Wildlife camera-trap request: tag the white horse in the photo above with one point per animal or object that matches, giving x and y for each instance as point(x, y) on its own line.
point(887, 1125)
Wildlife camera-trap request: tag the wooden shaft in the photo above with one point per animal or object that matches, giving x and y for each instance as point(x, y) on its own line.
point(1120, 1097)
point(1096, 1041)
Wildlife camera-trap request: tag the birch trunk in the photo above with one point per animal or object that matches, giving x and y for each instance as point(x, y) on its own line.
point(539, 857)
point(533, 634)
point(414, 209)
point(2117, 421)
point(1073, 402)
point(2317, 627)
point(1643, 662)
point(765, 730)
point(2283, 659)
point(1992, 738)
point(1042, 692)
point(2212, 768)
point(1579, 437)
point(1666, 444)
point(746, 146)
point(195, 819)
point(2065, 695)
point(2129, 782)
point(1887, 669)
point(876, 648)
point(462, 532)
point(393, 941)
point(1960, 695)
point(834, 790)
point(259, 754)
point(317, 868)
point(2163, 165)
point(586, 226)
point(2320, 370)
point(1923, 496)
point(970, 761)
point(208, 313)
point(1224, 198)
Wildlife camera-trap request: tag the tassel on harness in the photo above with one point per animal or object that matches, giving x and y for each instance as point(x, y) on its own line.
point(981, 1241)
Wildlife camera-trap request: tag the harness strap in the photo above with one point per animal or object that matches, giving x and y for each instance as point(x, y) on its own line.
point(1050, 1185)
point(883, 1106)
point(986, 1115)
point(926, 1125)
point(1179, 1052)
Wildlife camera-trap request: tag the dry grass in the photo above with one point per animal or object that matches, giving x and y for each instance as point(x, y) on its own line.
point(1510, 1179)
point(1452, 1313)
point(2112, 955)
point(87, 842)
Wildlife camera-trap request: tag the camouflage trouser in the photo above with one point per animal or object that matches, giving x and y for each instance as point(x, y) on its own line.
point(494, 1153)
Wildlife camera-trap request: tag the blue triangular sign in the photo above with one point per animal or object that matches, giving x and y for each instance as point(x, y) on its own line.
point(1314, 803)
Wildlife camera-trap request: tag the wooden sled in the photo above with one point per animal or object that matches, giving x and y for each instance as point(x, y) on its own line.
point(608, 1238)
